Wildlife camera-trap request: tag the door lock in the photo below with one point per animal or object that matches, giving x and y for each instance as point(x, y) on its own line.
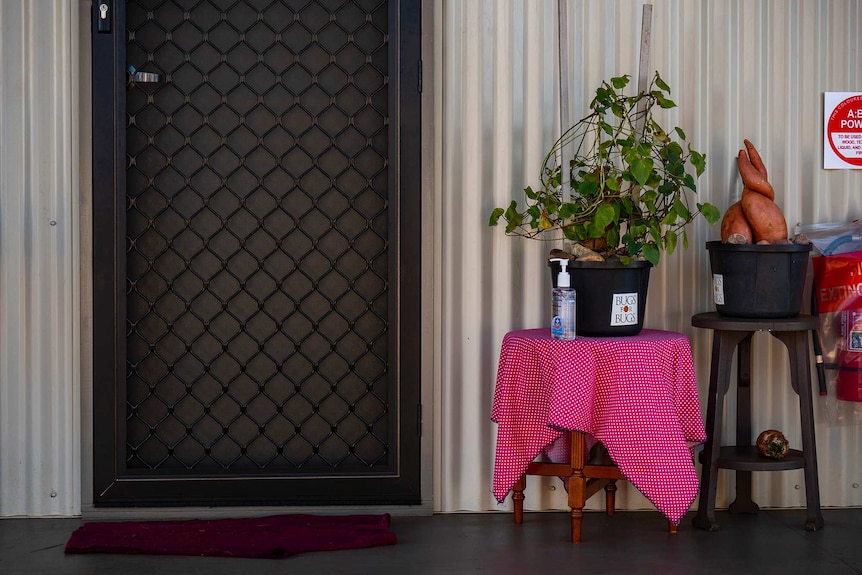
point(103, 18)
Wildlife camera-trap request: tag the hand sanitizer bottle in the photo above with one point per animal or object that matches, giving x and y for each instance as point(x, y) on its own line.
point(563, 304)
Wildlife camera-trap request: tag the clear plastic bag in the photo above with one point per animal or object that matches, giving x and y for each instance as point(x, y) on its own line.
point(836, 297)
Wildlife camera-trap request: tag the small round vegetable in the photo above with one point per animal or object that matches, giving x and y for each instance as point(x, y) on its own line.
point(772, 443)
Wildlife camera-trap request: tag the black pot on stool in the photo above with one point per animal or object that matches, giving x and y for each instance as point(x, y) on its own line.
point(758, 281)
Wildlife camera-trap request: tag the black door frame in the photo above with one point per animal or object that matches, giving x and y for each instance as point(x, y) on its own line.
point(113, 483)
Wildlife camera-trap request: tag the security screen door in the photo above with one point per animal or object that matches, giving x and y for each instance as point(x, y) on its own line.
point(256, 239)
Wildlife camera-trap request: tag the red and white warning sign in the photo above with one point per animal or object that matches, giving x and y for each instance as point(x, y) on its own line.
point(842, 130)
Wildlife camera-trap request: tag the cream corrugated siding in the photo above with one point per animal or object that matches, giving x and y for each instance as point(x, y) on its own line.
point(739, 69)
point(39, 370)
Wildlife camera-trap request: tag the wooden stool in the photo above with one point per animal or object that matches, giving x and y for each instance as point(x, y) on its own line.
point(584, 481)
point(731, 334)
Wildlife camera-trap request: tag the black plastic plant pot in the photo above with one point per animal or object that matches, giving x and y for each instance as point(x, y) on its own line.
point(758, 281)
point(611, 297)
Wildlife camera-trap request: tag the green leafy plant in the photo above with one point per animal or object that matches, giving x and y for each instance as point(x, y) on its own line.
point(626, 192)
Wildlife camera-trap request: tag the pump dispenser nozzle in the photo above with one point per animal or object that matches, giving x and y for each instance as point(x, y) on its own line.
point(563, 279)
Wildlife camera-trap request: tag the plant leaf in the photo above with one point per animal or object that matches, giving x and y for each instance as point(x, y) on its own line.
point(670, 240)
point(652, 254)
point(665, 103)
point(495, 216)
point(698, 160)
point(513, 217)
point(641, 169)
point(681, 209)
point(710, 212)
point(545, 222)
point(620, 82)
point(613, 237)
point(604, 216)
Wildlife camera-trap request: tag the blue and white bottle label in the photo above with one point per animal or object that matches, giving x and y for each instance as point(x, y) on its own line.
point(558, 326)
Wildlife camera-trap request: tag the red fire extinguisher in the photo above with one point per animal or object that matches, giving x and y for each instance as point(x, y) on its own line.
point(838, 285)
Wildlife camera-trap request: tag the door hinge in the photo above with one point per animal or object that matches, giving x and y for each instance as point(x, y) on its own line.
point(419, 77)
point(419, 420)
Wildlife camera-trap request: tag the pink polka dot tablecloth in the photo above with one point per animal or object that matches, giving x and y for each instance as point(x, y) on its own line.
point(637, 395)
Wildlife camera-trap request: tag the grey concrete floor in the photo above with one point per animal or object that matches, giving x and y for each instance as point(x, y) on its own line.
point(630, 543)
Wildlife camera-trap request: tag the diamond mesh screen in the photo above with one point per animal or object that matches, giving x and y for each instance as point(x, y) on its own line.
point(256, 229)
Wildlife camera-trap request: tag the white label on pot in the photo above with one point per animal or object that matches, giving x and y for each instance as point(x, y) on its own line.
point(718, 289)
point(624, 310)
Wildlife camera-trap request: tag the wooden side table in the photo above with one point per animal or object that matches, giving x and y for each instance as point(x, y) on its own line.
point(583, 480)
point(636, 395)
point(734, 334)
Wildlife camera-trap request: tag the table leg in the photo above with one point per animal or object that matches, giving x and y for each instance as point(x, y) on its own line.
point(518, 498)
point(723, 346)
point(577, 483)
point(800, 378)
point(743, 503)
point(610, 497)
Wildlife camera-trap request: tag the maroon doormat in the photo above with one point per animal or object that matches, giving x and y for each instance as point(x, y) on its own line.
point(269, 537)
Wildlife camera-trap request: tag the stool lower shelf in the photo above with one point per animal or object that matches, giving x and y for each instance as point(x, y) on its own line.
point(748, 458)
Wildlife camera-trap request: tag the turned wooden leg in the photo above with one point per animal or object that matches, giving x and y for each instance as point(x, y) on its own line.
point(610, 497)
point(577, 484)
point(518, 498)
point(671, 527)
point(577, 487)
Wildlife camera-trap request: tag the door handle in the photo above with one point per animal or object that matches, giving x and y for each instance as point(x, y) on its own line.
point(144, 77)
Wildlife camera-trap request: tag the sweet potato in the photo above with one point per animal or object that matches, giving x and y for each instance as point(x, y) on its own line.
point(751, 178)
point(764, 216)
point(755, 158)
point(734, 222)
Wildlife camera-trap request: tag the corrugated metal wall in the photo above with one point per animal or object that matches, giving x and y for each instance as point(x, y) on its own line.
point(39, 292)
point(739, 69)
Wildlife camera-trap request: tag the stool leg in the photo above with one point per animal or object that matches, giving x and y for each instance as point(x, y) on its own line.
point(518, 498)
point(672, 527)
point(743, 503)
point(800, 378)
point(723, 345)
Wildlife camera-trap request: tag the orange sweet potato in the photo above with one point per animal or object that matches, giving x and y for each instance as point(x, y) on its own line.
point(764, 216)
point(752, 178)
point(733, 222)
point(755, 158)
